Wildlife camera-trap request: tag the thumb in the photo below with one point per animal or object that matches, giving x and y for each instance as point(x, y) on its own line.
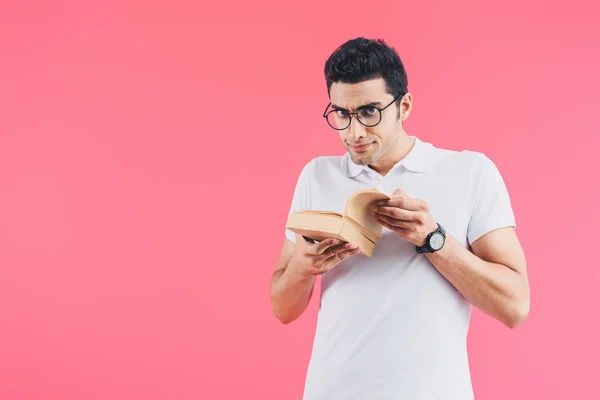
point(398, 193)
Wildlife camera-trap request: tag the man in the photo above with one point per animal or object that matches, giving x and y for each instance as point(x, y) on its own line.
point(394, 325)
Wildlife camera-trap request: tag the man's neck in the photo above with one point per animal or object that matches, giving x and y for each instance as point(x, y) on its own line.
point(403, 146)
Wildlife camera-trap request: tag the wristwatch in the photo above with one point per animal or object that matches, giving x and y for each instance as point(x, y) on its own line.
point(434, 241)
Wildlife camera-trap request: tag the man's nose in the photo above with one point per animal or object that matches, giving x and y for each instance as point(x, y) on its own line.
point(356, 130)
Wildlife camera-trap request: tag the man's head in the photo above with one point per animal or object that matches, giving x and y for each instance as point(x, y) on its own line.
point(363, 77)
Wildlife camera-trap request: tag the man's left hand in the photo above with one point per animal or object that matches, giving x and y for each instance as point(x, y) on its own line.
point(408, 217)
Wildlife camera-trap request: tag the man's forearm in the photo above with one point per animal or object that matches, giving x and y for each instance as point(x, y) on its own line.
point(290, 293)
point(495, 289)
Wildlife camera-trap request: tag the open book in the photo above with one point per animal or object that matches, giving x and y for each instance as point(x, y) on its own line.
point(357, 225)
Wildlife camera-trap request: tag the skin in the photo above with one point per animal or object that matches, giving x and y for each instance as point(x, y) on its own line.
point(492, 276)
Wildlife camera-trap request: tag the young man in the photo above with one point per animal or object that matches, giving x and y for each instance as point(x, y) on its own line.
point(394, 325)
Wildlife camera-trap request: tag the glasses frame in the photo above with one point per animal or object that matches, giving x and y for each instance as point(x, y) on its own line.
point(326, 114)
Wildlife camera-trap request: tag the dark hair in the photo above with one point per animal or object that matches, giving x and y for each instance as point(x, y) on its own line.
point(362, 59)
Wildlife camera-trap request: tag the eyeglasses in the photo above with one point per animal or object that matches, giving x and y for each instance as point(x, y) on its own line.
point(368, 115)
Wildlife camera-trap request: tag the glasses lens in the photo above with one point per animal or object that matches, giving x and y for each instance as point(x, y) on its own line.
point(369, 116)
point(338, 119)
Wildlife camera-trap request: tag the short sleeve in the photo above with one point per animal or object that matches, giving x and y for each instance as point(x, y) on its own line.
point(492, 207)
point(301, 197)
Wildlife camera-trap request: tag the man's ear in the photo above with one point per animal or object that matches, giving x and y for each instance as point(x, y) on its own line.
point(406, 106)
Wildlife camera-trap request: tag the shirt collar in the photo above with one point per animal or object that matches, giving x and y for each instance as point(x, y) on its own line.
point(420, 159)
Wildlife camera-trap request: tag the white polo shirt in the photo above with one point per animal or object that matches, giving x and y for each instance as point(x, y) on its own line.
point(391, 326)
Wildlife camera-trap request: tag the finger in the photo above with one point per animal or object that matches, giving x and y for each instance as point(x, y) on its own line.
point(388, 225)
point(405, 202)
point(338, 258)
point(335, 251)
point(398, 193)
point(396, 223)
point(331, 251)
point(323, 246)
point(397, 213)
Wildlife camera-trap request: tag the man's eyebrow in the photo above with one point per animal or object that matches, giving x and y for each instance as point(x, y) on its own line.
point(371, 104)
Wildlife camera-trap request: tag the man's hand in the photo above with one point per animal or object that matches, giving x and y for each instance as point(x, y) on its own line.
point(317, 258)
point(408, 217)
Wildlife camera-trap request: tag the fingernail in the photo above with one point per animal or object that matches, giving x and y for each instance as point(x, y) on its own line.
point(353, 246)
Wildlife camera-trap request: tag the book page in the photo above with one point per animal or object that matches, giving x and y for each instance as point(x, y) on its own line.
point(321, 212)
point(359, 208)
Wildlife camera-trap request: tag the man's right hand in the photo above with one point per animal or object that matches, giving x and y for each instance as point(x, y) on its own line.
point(317, 258)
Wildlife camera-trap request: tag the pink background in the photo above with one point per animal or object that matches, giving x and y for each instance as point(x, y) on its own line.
point(142, 204)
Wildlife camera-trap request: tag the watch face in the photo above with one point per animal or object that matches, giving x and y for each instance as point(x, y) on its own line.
point(437, 241)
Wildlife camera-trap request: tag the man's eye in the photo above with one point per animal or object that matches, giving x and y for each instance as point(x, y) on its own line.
point(370, 110)
point(342, 113)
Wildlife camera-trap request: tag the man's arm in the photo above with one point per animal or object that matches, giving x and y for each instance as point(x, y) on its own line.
point(493, 278)
point(290, 291)
point(297, 269)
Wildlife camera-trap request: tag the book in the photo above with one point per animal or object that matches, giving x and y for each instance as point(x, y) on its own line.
point(356, 225)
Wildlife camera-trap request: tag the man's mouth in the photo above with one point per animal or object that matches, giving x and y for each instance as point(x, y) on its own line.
point(358, 148)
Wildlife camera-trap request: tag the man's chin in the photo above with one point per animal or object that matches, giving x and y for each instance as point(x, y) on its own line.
point(361, 159)
point(364, 157)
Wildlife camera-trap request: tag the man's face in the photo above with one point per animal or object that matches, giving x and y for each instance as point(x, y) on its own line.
point(366, 145)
